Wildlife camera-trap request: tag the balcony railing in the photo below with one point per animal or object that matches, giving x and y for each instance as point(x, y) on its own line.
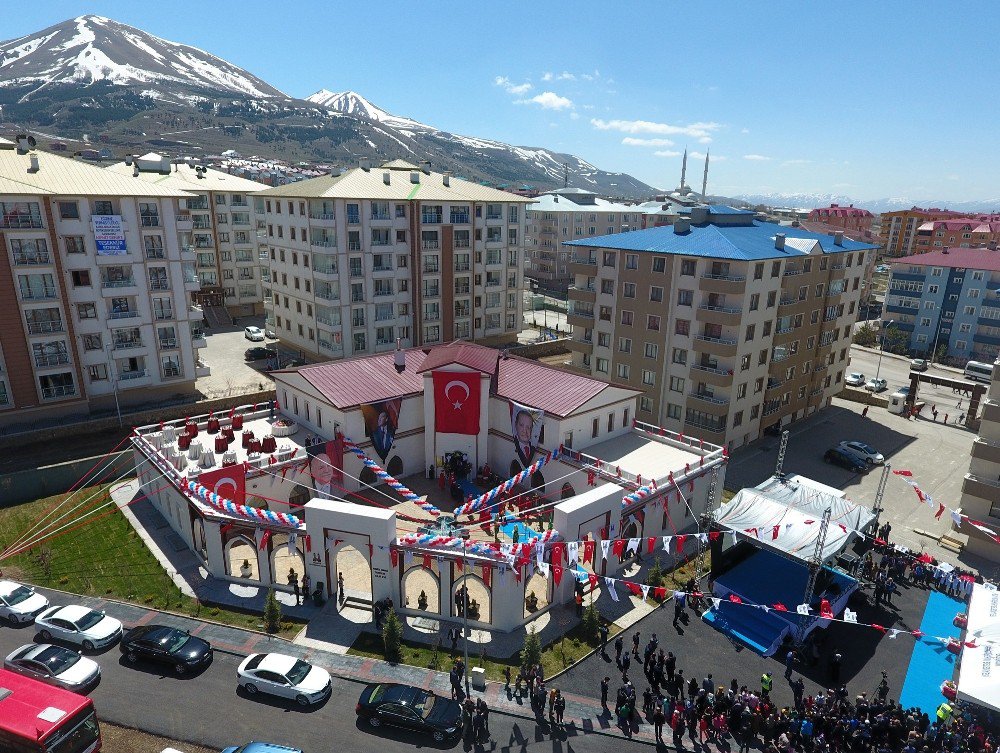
point(720, 340)
point(727, 276)
point(159, 285)
point(150, 220)
point(723, 309)
point(715, 428)
point(712, 369)
point(44, 328)
point(791, 271)
point(326, 295)
point(460, 219)
point(428, 218)
point(462, 267)
point(128, 376)
point(123, 314)
point(429, 245)
point(56, 359)
point(127, 344)
point(322, 216)
point(128, 282)
point(38, 294)
point(20, 222)
point(323, 269)
point(715, 400)
point(171, 342)
point(64, 390)
point(324, 242)
point(157, 253)
point(38, 257)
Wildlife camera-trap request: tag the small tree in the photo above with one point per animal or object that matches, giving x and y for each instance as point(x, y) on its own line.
point(591, 621)
point(941, 354)
point(392, 637)
point(654, 577)
point(272, 612)
point(895, 340)
point(531, 651)
point(866, 336)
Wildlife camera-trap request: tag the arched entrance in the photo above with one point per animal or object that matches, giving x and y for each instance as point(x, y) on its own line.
point(298, 498)
point(395, 466)
point(421, 588)
point(283, 562)
point(200, 545)
point(536, 594)
point(367, 476)
point(631, 531)
point(567, 491)
point(241, 558)
point(479, 597)
point(354, 565)
point(538, 482)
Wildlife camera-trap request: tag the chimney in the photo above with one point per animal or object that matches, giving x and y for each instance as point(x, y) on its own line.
point(135, 171)
point(779, 241)
point(415, 177)
point(838, 238)
point(33, 163)
point(128, 160)
point(365, 164)
point(699, 215)
point(426, 166)
point(447, 178)
point(681, 226)
point(386, 177)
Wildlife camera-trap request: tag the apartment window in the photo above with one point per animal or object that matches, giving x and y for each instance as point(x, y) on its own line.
point(683, 327)
point(771, 298)
point(624, 345)
point(648, 377)
point(741, 391)
point(98, 372)
point(676, 384)
point(74, 244)
point(86, 311)
point(737, 418)
point(623, 371)
point(688, 267)
point(758, 386)
point(673, 411)
point(754, 301)
point(745, 363)
point(762, 358)
point(653, 322)
point(659, 263)
point(604, 339)
point(80, 278)
point(602, 365)
point(628, 289)
point(605, 313)
point(69, 210)
point(627, 317)
point(610, 258)
point(775, 269)
point(631, 260)
point(678, 355)
point(608, 287)
point(758, 271)
point(595, 428)
point(103, 208)
point(645, 404)
point(751, 329)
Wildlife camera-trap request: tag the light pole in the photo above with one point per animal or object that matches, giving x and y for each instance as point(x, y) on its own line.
point(881, 350)
point(113, 375)
point(465, 613)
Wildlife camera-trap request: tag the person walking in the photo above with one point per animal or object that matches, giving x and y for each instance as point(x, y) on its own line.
point(789, 663)
point(619, 648)
point(670, 665)
point(659, 718)
point(635, 644)
point(293, 581)
point(603, 632)
point(341, 594)
point(605, 687)
point(678, 606)
point(864, 412)
point(484, 711)
point(626, 661)
point(506, 679)
point(560, 706)
point(835, 661)
point(552, 704)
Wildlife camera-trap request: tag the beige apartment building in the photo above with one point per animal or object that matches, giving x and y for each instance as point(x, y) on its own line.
point(981, 488)
point(898, 230)
point(96, 288)
point(728, 326)
point(358, 260)
point(216, 224)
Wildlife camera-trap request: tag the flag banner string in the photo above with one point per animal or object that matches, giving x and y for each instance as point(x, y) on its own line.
point(957, 518)
point(491, 496)
point(394, 483)
point(216, 500)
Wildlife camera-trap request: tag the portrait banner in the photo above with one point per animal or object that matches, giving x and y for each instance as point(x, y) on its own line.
point(381, 422)
point(526, 426)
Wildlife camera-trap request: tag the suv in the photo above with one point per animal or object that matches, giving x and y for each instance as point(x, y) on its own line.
point(261, 748)
point(855, 379)
point(918, 364)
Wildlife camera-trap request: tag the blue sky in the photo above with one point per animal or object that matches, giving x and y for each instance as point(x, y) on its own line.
point(885, 99)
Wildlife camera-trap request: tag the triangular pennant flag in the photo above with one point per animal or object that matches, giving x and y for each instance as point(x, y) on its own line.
point(594, 580)
point(291, 543)
point(850, 616)
point(543, 568)
point(407, 557)
point(517, 574)
point(633, 588)
point(779, 607)
point(573, 553)
point(558, 552)
point(774, 532)
point(716, 603)
point(703, 538)
point(956, 518)
point(394, 556)
point(735, 599)
point(940, 512)
point(893, 633)
point(605, 545)
point(666, 544)
point(903, 473)
point(633, 546)
point(650, 543)
point(487, 575)
point(802, 609)
point(459, 566)
point(427, 562)
point(609, 584)
point(264, 539)
point(540, 552)
point(557, 574)
point(878, 627)
point(659, 593)
point(918, 634)
point(588, 551)
point(618, 547)
point(645, 591)
point(680, 543)
point(714, 535)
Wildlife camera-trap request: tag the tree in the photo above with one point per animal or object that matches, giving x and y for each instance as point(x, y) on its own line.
point(654, 577)
point(941, 354)
point(531, 651)
point(392, 637)
point(895, 340)
point(591, 621)
point(866, 336)
point(272, 612)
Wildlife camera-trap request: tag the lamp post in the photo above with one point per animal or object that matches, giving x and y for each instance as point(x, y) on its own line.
point(881, 350)
point(113, 376)
point(465, 613)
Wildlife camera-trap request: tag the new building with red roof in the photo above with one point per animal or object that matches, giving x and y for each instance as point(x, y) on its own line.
point(843, 218)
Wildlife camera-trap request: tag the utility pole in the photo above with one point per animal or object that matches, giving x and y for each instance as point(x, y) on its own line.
point(705, 522)
point(114, 381)
point(815, 565)
point(465, 613)
point(881, 350)
point(877, 504)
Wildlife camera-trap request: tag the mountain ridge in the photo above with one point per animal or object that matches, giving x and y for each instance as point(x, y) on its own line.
point(876, 206)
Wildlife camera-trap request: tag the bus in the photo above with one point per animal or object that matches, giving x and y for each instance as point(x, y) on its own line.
point(979, 372)
point(40, 718)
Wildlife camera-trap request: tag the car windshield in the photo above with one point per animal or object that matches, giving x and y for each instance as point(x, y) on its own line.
point(89, 620)
point(867, 448)
point(424, 704)
point(57, 659)
point(19, 594)
point(298, 672)
point(174, 641)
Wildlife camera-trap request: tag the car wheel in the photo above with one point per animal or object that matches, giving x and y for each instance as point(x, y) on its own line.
point(45, 635)
point(250, 688)
point(301, 700)
point(438, 735)
point(131, 657)
point(374, 721)
point(88, 646)
point(869, 462)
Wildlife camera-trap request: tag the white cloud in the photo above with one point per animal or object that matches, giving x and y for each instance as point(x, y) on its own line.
point(756, 157)
point(510, 87)
point(705, 140)
point(664, 153)
point(548, 101)
point(574, 116)
point(566, 76)
point(702, 155)
point(745, 130)
point(632, 141)
point(694, 130)
point(547, 76)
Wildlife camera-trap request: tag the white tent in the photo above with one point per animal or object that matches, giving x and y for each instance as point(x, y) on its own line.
point(787, 519)
point(979, 676)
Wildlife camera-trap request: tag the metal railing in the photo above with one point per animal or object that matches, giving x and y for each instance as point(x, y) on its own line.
point(150, 220)
point(38, 257)
point(44, 328)
point(712, 369)
point(727, 276)
point(123, 314)
point(21, 222)
point(324, 242)
point(723, 309)
point(127, 344)
point(709, 398)
point(57, 359)
point(45, 293)
point(321, 216)
point(720, 340)
point(65, 390)
point(171, 342)
point(128, 376)
point(126, 283)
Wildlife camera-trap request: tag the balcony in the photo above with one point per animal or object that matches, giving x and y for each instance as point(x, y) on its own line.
point(983, 488)
point(328, 270)
point(459, 218)
point(707, 398)
point(327, 321)
point(192, 282)
point(773, 385)
point(429, 245)
point(983, 449)
point(44, 293)
point(328, 295)
point(710, 375)
point(130, 314)
point(324, 242)
point(202, 369)
point(45, 328)
point(723, 283)
point(430, 218)
point(198, 340)
point(322, 216)
point(54, 393)
point(724, 315)
point(133, 379)
point(158, 253)
point(126, 282)
point(717, 346)
point(15, 221)
point(696, 427)
point(792, 271)
point(47, 361)
point(583, 265)
point(336, 349)
point(32, 259)
point(184, 223)
point(581, 345)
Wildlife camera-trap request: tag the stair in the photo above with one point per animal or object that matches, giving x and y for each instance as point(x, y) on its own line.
point(760, 631)
point(217, 317)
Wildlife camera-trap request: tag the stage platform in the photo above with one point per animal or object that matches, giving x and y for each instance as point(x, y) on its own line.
point(766, 578)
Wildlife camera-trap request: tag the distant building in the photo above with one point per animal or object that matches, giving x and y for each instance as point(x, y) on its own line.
point(981, 490)
point(843, 218)
point(965, 232)
point(898, 230)
point(947, 298)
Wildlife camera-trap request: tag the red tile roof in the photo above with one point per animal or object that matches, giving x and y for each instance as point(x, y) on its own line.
point(368, 379)
point(964, 258)
point(534, 384)
point(474, 356)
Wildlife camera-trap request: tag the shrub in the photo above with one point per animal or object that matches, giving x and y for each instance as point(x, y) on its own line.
point(392, 636)
point(272, 612)
point(531, 652)
point(591, 621)
point(655, 576)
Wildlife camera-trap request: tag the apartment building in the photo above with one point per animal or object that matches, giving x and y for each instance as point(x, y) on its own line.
point(563, 215)
point(216, 224)
point(843, 218)
point(358, 260)
point(947, 301)
point(981, 488)
point(727, 325)
point(97, 289)
point(898, 230)
point(966, 232)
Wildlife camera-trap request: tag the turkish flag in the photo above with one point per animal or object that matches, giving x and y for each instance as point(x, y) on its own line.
point(487, 573)
point(618, 547)
point(635, 588)
point(680, 541)
point(650, 543)
point(588, 551)
point(456, 402)
point(229, 482)
point(593, 580)
point(557, 573)
point(394, 555)
point(558, 550)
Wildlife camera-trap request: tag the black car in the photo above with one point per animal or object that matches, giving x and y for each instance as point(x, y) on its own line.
point(412, 708)
point(258, 354)
point(167, 645)
point(845, 459)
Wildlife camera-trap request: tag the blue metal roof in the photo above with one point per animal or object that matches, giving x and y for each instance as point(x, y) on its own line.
point(752, 241)
point(718, 209)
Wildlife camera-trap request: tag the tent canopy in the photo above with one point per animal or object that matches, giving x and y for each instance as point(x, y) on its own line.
point(979, 677)
point(787, 518)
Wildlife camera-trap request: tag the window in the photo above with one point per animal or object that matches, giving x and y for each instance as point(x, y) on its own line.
point(683, 327)
point(631, 260)
point(659, 264)
point(751, 329)
point(81, 278)
point(758, 271)
point(745, 363)
point(86, 311)
point(688, 267)
point(74, 244)
point(754, 301)
point(69, 210)
point(645, 404)
point(628, 289)
point(623, 371)
point(608, 287)
point(741, 391)
point(595, 428)
point(602, 365)
point(676, 384)
point(609, 259)
point(98, 372)
point(673, 411)
point(677, 355)
point(684, 297)
point(604, 339)
point(624, 345)
point(627, 318)
point(648, 378)
point(652, 322)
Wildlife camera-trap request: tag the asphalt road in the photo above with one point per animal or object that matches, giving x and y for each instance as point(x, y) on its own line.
point(206, 708)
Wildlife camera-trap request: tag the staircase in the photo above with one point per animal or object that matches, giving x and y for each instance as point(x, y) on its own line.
point(760, 630)
point(217, 317)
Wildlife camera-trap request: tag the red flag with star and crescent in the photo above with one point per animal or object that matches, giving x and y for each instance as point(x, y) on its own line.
point(456, 402)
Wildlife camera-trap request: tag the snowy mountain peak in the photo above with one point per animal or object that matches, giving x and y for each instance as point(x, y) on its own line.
point(90, 48)
point(352, 103)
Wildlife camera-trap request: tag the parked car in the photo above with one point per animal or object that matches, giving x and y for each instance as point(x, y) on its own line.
point(269, 334)
point(167, 645)
point(845, 459)
point(259, 354)
point(864, 451)
point(284, 676)
point(256, 334)
point(257, 747)
point(918, 364)
point(411, 708)
point(20, 603)
point(877, 385)
point(80, 625)
point(855, 379)
point(904, 391)
point(54, 665)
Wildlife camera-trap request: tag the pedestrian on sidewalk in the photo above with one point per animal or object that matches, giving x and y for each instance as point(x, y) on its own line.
point(453, 638)
point(626, 661)
point(864, 412)
point(945, 418)
point(659, 718)
point(506, 679)
point(635, 644)
point(605, 686)
point(959, 403)
point(789, 663)
point(560, 707)
point(603, 632)
point(305, 586)
point(670, 665)
point(552, 704)
point(619, 647)
point(341, 596)
point(678, 606)
point(484, 711)
point(293, 581)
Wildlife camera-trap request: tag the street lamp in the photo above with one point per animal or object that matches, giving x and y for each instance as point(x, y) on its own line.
point(881, 349)
point(113, 375)
point(465, 612)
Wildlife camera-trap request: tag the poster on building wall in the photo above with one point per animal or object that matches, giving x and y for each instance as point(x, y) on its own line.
point(326, 465)
point(526, 427)
point(381, 422)
point(109, 235)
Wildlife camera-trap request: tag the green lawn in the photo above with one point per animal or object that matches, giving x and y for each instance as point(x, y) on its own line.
point(98, 553)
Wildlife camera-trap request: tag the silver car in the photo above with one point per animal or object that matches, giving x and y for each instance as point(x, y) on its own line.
point(79, 625)
point(19, 603)
point(865, 452)
point(54, 665)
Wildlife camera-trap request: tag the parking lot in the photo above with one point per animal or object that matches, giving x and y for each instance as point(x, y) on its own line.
point(231, 374)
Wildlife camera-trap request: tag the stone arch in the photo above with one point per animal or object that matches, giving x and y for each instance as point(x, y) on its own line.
point(540, 586)
point(417, 579)
point(298, 497)
point(239, 550)
point(282, 561)
point(538, 482)
point(356, 567)
point(257, 502)
point(395, 466)
point(480, 597)
point(200, 543)
point(367, 476)
point(567, 491)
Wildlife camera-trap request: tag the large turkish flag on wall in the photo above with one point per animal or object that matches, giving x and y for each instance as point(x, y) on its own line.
point(228, 482)
point(456, 402)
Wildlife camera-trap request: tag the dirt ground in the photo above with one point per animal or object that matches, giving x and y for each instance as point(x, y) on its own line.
point(124, 740)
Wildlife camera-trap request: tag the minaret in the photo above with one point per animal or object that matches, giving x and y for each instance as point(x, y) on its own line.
point(565, 176)
point(704, 181)
point(684, 169)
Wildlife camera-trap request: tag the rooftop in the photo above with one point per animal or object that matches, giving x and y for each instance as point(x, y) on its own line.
point(578, 201)
point(964, 258)
point(642, 454)
point(184, 176)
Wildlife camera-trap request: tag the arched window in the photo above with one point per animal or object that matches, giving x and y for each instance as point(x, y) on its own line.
point(567, 491)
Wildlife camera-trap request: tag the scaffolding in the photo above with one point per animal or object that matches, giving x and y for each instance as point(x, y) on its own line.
point(815, 564)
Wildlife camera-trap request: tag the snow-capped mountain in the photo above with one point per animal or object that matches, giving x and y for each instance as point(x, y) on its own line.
point(89, 49)
point(352, 103)
point(876, 206)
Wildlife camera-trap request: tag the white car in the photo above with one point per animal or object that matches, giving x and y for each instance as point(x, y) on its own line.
point(855, 379)
point(877, 385)
point(19, 603)
point(256, 334)
point(80, 625)
point(54, 665)
point(864, 451)
point(284, 676)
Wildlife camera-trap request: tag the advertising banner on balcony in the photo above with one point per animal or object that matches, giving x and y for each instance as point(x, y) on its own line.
point(109, 235)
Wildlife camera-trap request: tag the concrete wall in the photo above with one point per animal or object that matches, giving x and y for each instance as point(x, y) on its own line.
point(27, 486)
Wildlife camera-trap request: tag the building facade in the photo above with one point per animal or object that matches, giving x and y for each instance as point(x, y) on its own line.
point(97, 289)
point(843, 218)
point(947, 302)
point(981, 489)
point(358, 260)
point(898, 230)
point(727, 325)
point(216, 224)
point(965, 232)
point(563, 215)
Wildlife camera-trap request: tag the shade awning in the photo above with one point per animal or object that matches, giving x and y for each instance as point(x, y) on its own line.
point(979, 677)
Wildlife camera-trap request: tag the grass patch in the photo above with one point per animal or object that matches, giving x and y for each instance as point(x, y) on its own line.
point(98, 553)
